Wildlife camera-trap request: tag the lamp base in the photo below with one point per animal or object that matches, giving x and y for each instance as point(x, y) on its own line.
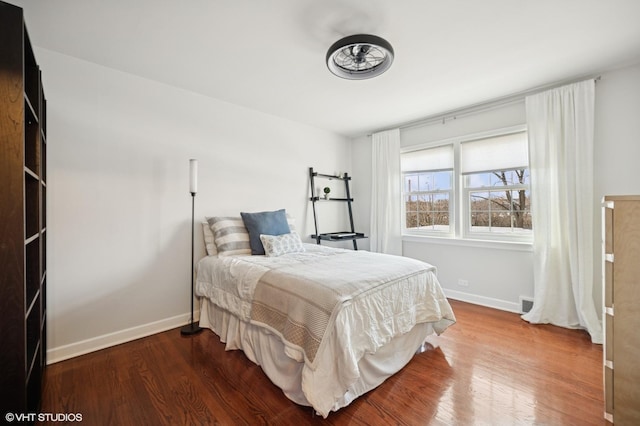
point(189, 329)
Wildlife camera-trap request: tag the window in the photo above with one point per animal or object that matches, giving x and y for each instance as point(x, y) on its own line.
point(427, 199)
point(488, 177)
point(428, 189)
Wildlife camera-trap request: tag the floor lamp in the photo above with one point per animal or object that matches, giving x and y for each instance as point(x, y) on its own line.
point(192, 328)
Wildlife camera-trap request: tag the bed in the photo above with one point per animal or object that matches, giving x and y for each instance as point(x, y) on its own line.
point(326, 325)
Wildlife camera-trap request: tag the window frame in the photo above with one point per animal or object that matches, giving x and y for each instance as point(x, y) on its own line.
point(459, 204)
point(451, 193)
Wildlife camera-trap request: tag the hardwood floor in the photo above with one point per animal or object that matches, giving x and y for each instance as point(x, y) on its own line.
point(491, 368)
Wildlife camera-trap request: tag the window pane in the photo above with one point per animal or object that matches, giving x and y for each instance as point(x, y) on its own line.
point(425, 182)
point(442, 180)
point(410, 182)
point(411, 220)
point(500, 201)
point(522, 220)
point(527, 204)
point(440, 210)
point(520, 200)
point(498, 178)
point(500, 219)
point(428, 181)
point(479, 200)
point(510, 177)
point(411, 204)
point(526, 221)
point(500, 211)
point(478, 180)
point(428, 211)
point(479, 210)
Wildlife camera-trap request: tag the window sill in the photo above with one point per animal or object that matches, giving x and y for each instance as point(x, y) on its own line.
point(466, 242)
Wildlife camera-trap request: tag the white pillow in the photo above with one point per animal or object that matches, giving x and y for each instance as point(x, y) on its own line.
point(292, 223)
point(277, 245)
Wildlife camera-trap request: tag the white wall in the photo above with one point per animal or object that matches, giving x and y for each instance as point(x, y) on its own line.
point(119, 208)
point(617, 144)
point(617, 132)
point(617, 149)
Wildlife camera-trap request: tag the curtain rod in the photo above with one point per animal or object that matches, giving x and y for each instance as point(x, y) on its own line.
point(483, 106)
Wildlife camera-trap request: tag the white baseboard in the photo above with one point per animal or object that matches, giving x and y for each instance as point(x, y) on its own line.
point(111, 339)
point(489, 302)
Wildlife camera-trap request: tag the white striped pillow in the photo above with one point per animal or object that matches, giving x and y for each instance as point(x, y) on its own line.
point(230, 235)
point(209, 242)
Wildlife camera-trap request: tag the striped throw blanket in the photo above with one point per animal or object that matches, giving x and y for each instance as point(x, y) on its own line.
point(300, 301)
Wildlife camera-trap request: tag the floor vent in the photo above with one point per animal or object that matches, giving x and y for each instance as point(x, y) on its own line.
point(526, 304)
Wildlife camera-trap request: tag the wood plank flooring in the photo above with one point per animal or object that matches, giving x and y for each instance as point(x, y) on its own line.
point(491, 368)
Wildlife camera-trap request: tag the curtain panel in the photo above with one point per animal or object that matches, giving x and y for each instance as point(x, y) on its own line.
point(385, 230)
point(560, 126)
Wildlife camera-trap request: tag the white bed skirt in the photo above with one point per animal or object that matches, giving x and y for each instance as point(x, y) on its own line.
point(266, 350)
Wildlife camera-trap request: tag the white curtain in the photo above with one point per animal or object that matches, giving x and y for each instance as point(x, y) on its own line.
point(560, 127)
point(385, 234)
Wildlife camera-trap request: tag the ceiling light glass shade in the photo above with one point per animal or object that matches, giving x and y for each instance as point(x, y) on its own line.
point(359, 57)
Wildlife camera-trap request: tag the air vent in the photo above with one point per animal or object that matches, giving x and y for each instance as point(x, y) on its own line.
point(526, 304)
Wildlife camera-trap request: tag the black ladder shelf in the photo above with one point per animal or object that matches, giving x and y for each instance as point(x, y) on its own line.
point(351, 235)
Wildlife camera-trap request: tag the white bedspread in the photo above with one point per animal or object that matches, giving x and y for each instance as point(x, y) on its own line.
point(387, 296)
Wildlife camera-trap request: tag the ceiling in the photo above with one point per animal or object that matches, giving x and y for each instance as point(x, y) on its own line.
point(269, 55)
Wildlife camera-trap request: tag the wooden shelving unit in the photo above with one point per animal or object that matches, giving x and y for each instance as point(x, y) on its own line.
point(23, 175)
point(350, 235)
point(621, 313)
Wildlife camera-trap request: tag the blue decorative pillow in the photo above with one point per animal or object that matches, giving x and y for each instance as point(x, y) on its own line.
point(264, 223)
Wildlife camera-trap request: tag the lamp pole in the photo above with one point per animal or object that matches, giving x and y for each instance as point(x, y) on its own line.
point(192, 328)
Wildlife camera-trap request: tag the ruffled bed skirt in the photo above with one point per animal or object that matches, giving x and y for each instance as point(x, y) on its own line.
point(267, 350)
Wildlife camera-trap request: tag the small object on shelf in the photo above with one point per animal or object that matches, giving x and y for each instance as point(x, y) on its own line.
point(345, 234)
point(326, 191)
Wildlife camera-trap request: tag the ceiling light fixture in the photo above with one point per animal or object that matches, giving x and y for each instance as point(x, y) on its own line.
point(359, 57)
